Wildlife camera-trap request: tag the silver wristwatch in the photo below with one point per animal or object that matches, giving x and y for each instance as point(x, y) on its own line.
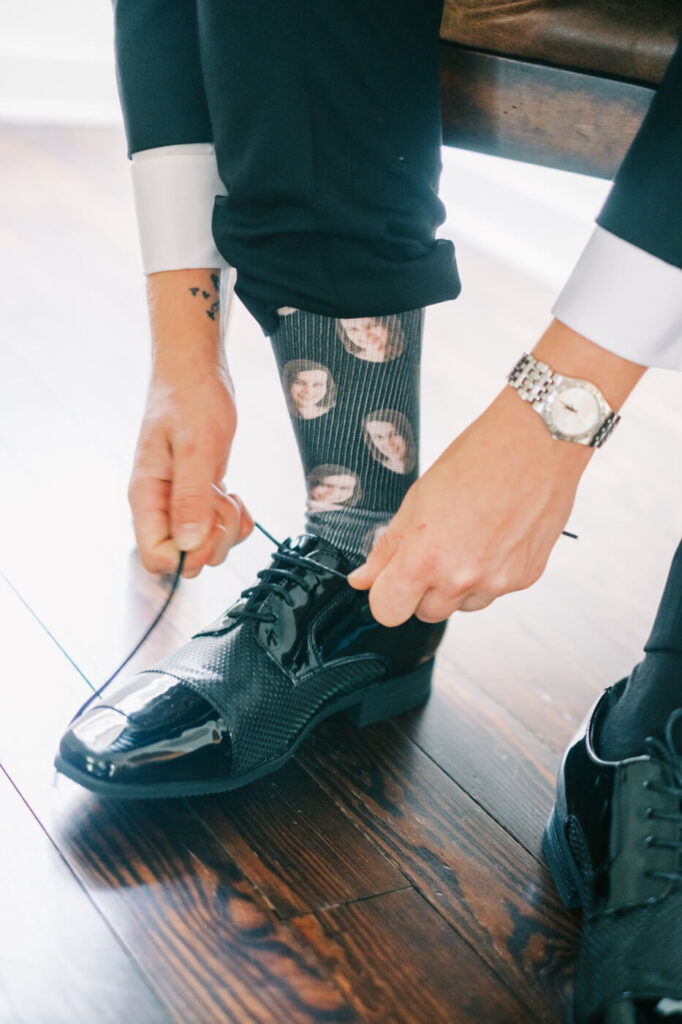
point(573, 409)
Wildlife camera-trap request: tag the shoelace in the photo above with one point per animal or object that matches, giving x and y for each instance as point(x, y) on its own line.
point(267, 585)
point(666, 752)
point(248, 612)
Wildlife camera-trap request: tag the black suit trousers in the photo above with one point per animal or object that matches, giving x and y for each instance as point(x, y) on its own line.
point(326, 121)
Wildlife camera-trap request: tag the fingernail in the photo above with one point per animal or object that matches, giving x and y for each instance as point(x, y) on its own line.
point(355, 573)
point(190, 535)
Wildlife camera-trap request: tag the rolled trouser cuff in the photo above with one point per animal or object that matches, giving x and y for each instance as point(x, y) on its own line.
point(341, 277)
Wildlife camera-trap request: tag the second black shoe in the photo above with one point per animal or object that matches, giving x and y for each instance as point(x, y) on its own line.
point(613, 845)
point(235, 701)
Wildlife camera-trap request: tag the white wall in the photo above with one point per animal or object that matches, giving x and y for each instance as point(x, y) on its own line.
point(57, 62)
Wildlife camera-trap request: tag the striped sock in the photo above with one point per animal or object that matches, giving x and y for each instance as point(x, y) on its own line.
point(352, 390)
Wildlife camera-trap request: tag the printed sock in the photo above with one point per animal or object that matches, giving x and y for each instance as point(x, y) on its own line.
point(654, 687)
point(352, 390)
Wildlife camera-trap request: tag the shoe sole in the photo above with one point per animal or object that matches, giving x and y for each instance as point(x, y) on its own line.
point(565, 873)
point(377, 702)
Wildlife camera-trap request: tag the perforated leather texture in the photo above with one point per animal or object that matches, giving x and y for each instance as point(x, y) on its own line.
point(263, 707)
point(634, 951)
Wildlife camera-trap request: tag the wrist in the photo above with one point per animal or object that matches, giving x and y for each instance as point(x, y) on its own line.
point(185, 320)
point(521, 427)
point(569, 353)
point(180, 354)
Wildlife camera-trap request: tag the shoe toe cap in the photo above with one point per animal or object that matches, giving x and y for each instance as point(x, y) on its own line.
point(150, 728)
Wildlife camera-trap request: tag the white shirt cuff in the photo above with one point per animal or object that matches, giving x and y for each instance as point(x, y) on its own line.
point(174, 188)
point(626, 300)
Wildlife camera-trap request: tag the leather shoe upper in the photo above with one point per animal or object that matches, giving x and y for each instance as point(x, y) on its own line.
point(242, 688)
point(622, 822)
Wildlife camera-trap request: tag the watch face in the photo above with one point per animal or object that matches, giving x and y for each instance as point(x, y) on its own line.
point(574, 411)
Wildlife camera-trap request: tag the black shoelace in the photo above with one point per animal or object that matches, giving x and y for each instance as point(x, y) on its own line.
point(248, 611)
point(666, 752)
point(283, 554)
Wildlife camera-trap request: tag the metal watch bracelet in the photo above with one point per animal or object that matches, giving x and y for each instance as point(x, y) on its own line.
point(535, 381)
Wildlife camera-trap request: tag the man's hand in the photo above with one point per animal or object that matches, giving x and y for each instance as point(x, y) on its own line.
point(483, 519)
point(187, 431)
point(479, 523)
point(177, 477)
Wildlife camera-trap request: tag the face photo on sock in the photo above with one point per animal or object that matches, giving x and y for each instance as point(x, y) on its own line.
point(333, 487)
point(309, 388)
point(377, 339)
point(389, 437)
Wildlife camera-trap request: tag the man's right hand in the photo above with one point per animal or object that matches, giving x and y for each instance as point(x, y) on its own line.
point(180, 460)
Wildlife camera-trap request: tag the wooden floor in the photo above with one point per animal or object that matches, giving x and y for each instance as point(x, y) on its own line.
point(390, 874)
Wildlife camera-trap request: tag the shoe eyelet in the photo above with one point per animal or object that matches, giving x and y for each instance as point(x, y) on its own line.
point(649, 840)
point(648, 812)
point(645, 784)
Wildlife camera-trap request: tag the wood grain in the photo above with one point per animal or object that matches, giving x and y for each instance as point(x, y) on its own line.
point(539, 113)
point(51, 949)
point(379, 860)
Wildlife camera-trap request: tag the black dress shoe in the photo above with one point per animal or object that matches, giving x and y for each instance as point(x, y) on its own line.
point(613, 846)
point(236, 700)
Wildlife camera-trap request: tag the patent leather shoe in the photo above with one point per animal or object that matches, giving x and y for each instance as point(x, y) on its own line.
point(235, 701)
point(613, 846)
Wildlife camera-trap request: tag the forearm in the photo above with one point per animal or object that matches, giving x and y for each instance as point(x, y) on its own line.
point(571, 354)
point(185, 319)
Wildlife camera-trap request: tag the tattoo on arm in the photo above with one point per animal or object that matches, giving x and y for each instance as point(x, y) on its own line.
point(212, 310)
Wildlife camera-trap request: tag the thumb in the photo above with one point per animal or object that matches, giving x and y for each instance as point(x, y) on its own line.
point(381, 554)
point(191, 503)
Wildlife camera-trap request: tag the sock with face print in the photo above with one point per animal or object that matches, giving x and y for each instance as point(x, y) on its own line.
point(352, 390)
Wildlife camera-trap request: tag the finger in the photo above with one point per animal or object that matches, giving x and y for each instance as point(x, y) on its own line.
point(192, 497)
point(235, 524)
point(436, 607)
point(148, 500)
point(220, 539)
point(396, 592)
point(246, 521)
point(382, 552)
point(221, 546)
point(228, 526)
point(475, 603)
point(203, 555)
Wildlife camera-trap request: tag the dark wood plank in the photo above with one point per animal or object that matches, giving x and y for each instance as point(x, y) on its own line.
point(538, 113)
point(493, 756)
point(59, 960)
point(397, 960)
point(176, 900)
point(293, 842)
point(482, 881)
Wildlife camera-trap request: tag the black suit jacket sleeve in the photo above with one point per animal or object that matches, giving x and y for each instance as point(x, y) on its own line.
point(158, 73)
point(644, 206)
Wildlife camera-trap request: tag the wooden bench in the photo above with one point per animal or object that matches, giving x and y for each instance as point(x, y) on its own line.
point(564, 83)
